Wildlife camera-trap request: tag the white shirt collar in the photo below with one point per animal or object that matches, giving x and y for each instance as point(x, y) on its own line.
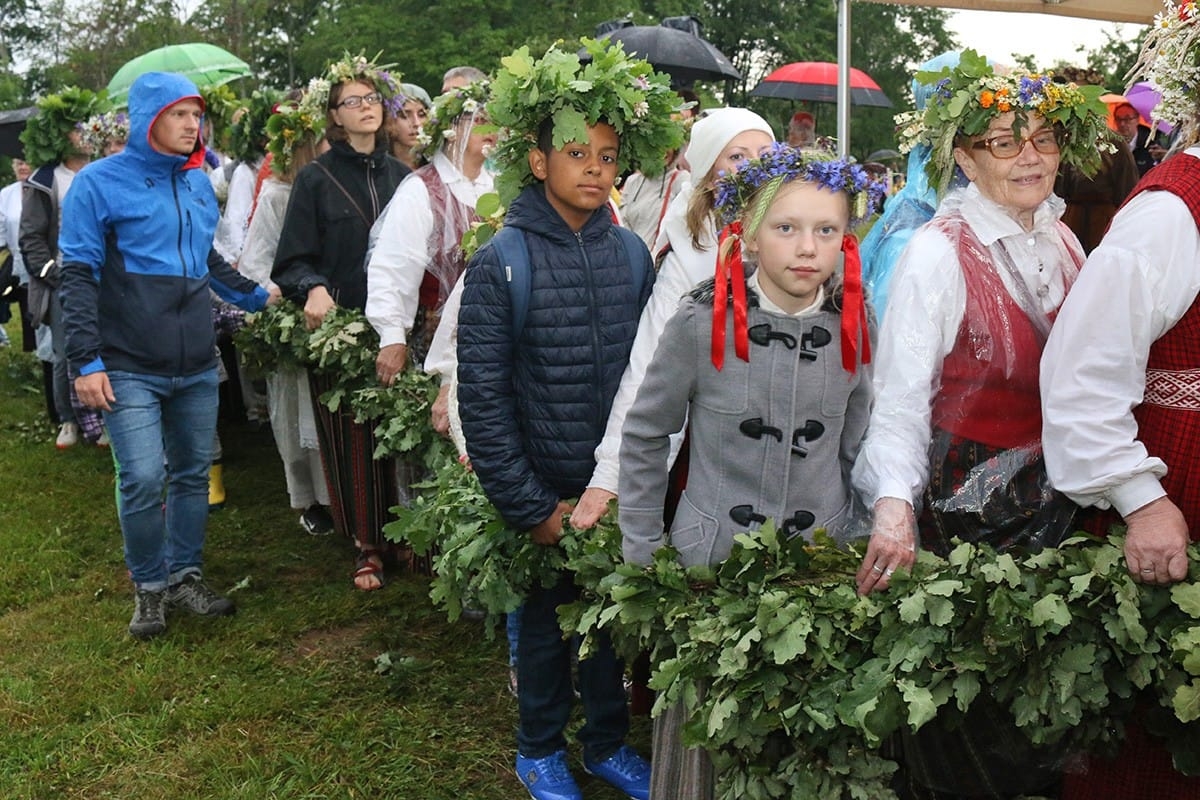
point(766, 304)
point(451, 175)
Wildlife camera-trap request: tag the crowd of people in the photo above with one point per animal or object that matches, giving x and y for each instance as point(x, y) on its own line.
point(1000, 365)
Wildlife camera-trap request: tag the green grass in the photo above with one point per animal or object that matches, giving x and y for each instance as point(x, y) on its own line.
point(282, 700)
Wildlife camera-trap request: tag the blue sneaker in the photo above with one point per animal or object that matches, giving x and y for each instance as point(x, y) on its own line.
point(626, 770)
point(548, 778)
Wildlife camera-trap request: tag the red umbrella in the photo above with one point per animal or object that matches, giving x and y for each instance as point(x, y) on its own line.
point(817, 82)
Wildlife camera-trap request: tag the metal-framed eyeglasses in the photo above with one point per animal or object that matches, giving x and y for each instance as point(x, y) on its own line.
point(1046, 141)
point(356, 100)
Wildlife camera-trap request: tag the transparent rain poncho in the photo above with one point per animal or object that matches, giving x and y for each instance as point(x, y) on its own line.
point(958, 417)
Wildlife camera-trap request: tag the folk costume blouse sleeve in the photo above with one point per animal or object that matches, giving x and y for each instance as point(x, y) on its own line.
point(928, 297)
point(398, 262)
point(1135, 286)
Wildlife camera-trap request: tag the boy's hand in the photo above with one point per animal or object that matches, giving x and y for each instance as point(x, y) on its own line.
point(549, 531)
point(592, 506)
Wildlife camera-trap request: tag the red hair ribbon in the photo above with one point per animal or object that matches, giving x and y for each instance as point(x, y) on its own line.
point(854, 308)
point(730, 271)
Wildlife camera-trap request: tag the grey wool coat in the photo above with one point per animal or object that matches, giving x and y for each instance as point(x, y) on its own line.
point(772, 438)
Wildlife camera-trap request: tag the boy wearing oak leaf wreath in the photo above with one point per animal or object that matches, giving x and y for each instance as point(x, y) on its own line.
point(534, 401)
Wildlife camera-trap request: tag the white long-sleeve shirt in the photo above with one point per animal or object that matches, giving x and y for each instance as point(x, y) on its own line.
point(10, 227)
point(928, 300)
point(262, 237)
point(1136, 285)
point(230, 237)
point(401, 254)
point(684, 267)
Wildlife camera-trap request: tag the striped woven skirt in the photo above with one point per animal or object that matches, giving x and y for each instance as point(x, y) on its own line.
point(361, 488)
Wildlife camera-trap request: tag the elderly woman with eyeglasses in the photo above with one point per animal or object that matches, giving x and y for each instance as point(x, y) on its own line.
point(334, 202)
point(953, 450)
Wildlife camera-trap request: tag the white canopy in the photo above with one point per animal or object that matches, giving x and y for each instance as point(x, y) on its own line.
point(1142, 11)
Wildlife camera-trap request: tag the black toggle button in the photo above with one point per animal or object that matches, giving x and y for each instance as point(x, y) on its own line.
point(801, 520)
point(744, 515)
point(811, 431)
point(817, 337)
point(755, 429)
point(762, 334)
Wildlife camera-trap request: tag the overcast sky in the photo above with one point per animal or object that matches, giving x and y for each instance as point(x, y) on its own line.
point(1049, 38)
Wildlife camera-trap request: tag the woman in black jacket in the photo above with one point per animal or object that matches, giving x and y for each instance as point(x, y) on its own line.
point(320, 264)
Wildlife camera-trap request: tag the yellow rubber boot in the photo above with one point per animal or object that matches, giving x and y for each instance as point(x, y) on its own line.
point(216, 487)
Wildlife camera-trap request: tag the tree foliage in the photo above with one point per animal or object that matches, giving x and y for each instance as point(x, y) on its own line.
point(288, 42)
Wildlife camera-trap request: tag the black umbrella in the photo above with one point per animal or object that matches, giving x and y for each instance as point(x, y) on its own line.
point(682, 55)
point(11, 125)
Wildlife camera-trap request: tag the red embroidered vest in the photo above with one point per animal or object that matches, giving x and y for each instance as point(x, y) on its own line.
point(989, 386)
point(1168, 422)
point(446, 263)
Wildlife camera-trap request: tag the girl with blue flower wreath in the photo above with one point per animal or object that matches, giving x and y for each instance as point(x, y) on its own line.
point(771, 372)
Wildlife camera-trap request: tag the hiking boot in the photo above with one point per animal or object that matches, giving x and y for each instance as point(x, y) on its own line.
point(68, 436)
point(316, 520)
point(625, 770)
point(548, 778)
point(192, 594)
point(149, 614)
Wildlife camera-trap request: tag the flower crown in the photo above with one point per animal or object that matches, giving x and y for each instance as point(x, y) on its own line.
point(360, 68)
point(612, 87)
point(782, 164)
point(967, 97)
point(295, 123)
point(757, 182)
point(1170, 60)
point(447, 108)
point(100, 129)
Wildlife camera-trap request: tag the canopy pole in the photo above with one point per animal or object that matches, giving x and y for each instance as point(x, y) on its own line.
point(843, 87)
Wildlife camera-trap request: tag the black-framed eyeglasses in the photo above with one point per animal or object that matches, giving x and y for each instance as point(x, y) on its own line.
point(1045, 141)
point(1127, 118)
point(356, 100)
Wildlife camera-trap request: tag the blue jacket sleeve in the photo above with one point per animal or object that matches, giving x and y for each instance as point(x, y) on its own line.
point(82, 241)
point(487, 398)
point(232, 286)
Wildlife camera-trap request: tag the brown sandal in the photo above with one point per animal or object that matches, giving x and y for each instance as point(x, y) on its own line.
point(368, 564)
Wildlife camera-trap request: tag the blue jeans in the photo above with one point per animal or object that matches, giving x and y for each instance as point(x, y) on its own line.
point(153, 417)
point(544, 675)
point(512, 627)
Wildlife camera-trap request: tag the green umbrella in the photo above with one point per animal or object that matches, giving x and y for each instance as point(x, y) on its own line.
point(203, 64)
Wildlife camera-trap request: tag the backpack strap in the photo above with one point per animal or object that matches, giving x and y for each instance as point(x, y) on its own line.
point(636, 255)
point(513, 254)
